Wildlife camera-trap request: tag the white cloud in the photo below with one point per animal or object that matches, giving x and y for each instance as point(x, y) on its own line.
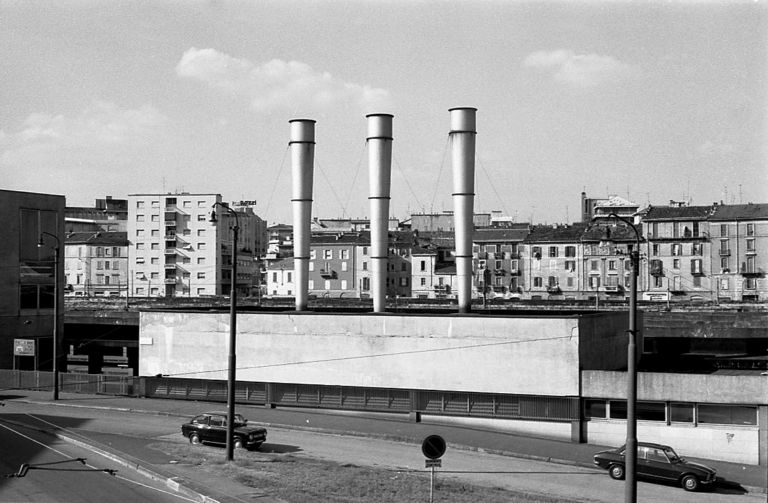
point(581, 70)
point(97, 130)
point(278, 83)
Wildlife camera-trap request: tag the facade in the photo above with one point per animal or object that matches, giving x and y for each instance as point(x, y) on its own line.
point(678, 250)
point(605, 254)
point(176, 251)
point(553, 269)
point(96, 264)
point(280, 278)
point(423, 277)
point(739, 252)
point(496, 261)
point(332, 264)
point(29, 290)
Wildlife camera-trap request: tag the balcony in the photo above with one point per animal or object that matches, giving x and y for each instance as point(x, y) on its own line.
point(170, 251)
point(170, 281)
point(327, 273)
point(553, 289)
point(751, 272)
point(499, 272)
point(443, 289)
point(614, 289)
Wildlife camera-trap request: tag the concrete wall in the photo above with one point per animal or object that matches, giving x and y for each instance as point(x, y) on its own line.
point(557, 430)
point(702, 388)
point(516, 355)
point(737, 444)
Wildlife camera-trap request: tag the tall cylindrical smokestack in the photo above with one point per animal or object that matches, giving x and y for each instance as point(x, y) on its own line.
point(302, 147)
point(463, 131)
point(380, 173)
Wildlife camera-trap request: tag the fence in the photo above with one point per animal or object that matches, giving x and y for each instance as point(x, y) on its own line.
point(446, 403)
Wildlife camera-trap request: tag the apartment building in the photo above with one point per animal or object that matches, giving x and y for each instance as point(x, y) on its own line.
point(333, 260)
point(423, 278)
point(496, 261)
point(107, 215)
point(604, 252)
point(677, 253)
point(739, 252)
point(96, 264)
point(552, 268)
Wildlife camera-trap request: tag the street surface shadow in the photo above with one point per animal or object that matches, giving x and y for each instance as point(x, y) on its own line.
point(10, 397)
point(278, 448)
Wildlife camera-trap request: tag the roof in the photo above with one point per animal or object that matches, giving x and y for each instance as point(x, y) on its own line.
point(723, 212)
point(556, 233)
point(499, 235)
point(616, 202)
point(286, 263)
point(612, 232)
point(656, 213)
point(111, 238)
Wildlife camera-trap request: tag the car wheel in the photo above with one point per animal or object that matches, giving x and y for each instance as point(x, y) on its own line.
point(690, 483)
point(238, 443)
point(616, 472)
point(194, 438)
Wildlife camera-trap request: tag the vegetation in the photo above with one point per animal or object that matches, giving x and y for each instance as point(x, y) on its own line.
point(298, 479)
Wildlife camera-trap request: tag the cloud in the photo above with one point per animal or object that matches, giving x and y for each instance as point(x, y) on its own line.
point(580, 70)
point(99, 129)
point(278, 83)
point(713, 149)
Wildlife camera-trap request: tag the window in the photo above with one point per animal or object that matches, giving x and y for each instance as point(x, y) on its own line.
point(611, 265)
point(696, 229)
point(344, 254)
point(201, 260)
point(727, 414)
point(724, 284)
point(750, 229)
point(650, 411)
point(552, 281)
point(289, 276)
point(594, 409)
point(724, 264)
point(537, 282)
point(311, 284)
point(343, 266)
point(696, 266)
point(327, 284)
point(618, 409)
point(202, 217)
point(655, 229)
point(403, 281)
point(570, 251)
point(139, 217)
point(677, 249)
point(139, 204)
point(274, 277)
point(201, 246)
point(423, 265)
point(676, 263)
point(404, 267)
point(201, 204)
point(365, 250)
point(201, 275)
point(365, 266)
point(490, 248)
point(675, 229)
point(697, 249)
point(200, 232)
point(750, 283)
point(170, 201)
point(313, 254)
point(723, 230)
point(655, 250)
point(366, 285)
point(594, 282)
point(569, 281)
point(681, 412)
point(553, 251)
point(327, 254)
point(499, 265)
point(536, 252)
point(139, 233)
point(154, 260)
point(343, 284)
point(423, 281)
point(312, 266)
point(187, 204)
point(658, 281)
point(750, 245)
point(593, 265)
point(154, 218)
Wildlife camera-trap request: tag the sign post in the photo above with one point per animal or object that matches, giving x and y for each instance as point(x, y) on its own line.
point(433, 447)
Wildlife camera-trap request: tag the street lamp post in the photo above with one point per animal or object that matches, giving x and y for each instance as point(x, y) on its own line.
point(630, 450)
point(57, 253)
point(232, 332)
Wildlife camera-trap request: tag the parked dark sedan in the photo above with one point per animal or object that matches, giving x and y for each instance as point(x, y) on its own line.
point(658, 462)
point(212, 427)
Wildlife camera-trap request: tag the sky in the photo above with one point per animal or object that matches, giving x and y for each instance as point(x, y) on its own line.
point(650, 101)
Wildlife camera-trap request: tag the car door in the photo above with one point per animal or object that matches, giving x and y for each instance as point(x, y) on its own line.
point(657, 464)
point(217, 429)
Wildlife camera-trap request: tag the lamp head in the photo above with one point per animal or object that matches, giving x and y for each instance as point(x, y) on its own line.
point(213, 218)
point(40, 243)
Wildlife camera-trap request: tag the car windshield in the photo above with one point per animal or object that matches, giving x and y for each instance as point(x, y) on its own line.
point(672, 455)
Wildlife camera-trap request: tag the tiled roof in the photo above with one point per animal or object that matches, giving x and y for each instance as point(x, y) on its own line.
point(740, 212)
point(286, 263)
point(556, 233)
point(656, 213)
point(111, 238)
point(499, 235)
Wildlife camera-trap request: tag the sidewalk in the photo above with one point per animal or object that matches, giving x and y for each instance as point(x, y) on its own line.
point(385, 426)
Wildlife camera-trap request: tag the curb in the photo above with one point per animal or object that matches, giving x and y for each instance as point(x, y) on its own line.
point(394, 438)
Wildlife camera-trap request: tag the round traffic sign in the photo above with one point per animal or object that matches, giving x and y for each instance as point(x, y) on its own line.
point(433, 446)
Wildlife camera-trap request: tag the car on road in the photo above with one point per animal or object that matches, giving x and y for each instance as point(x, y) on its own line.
point(658, 462)
point(211, 427)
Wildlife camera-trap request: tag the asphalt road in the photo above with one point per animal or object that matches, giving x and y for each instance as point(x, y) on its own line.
point(61, 472)
point(134, 433)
